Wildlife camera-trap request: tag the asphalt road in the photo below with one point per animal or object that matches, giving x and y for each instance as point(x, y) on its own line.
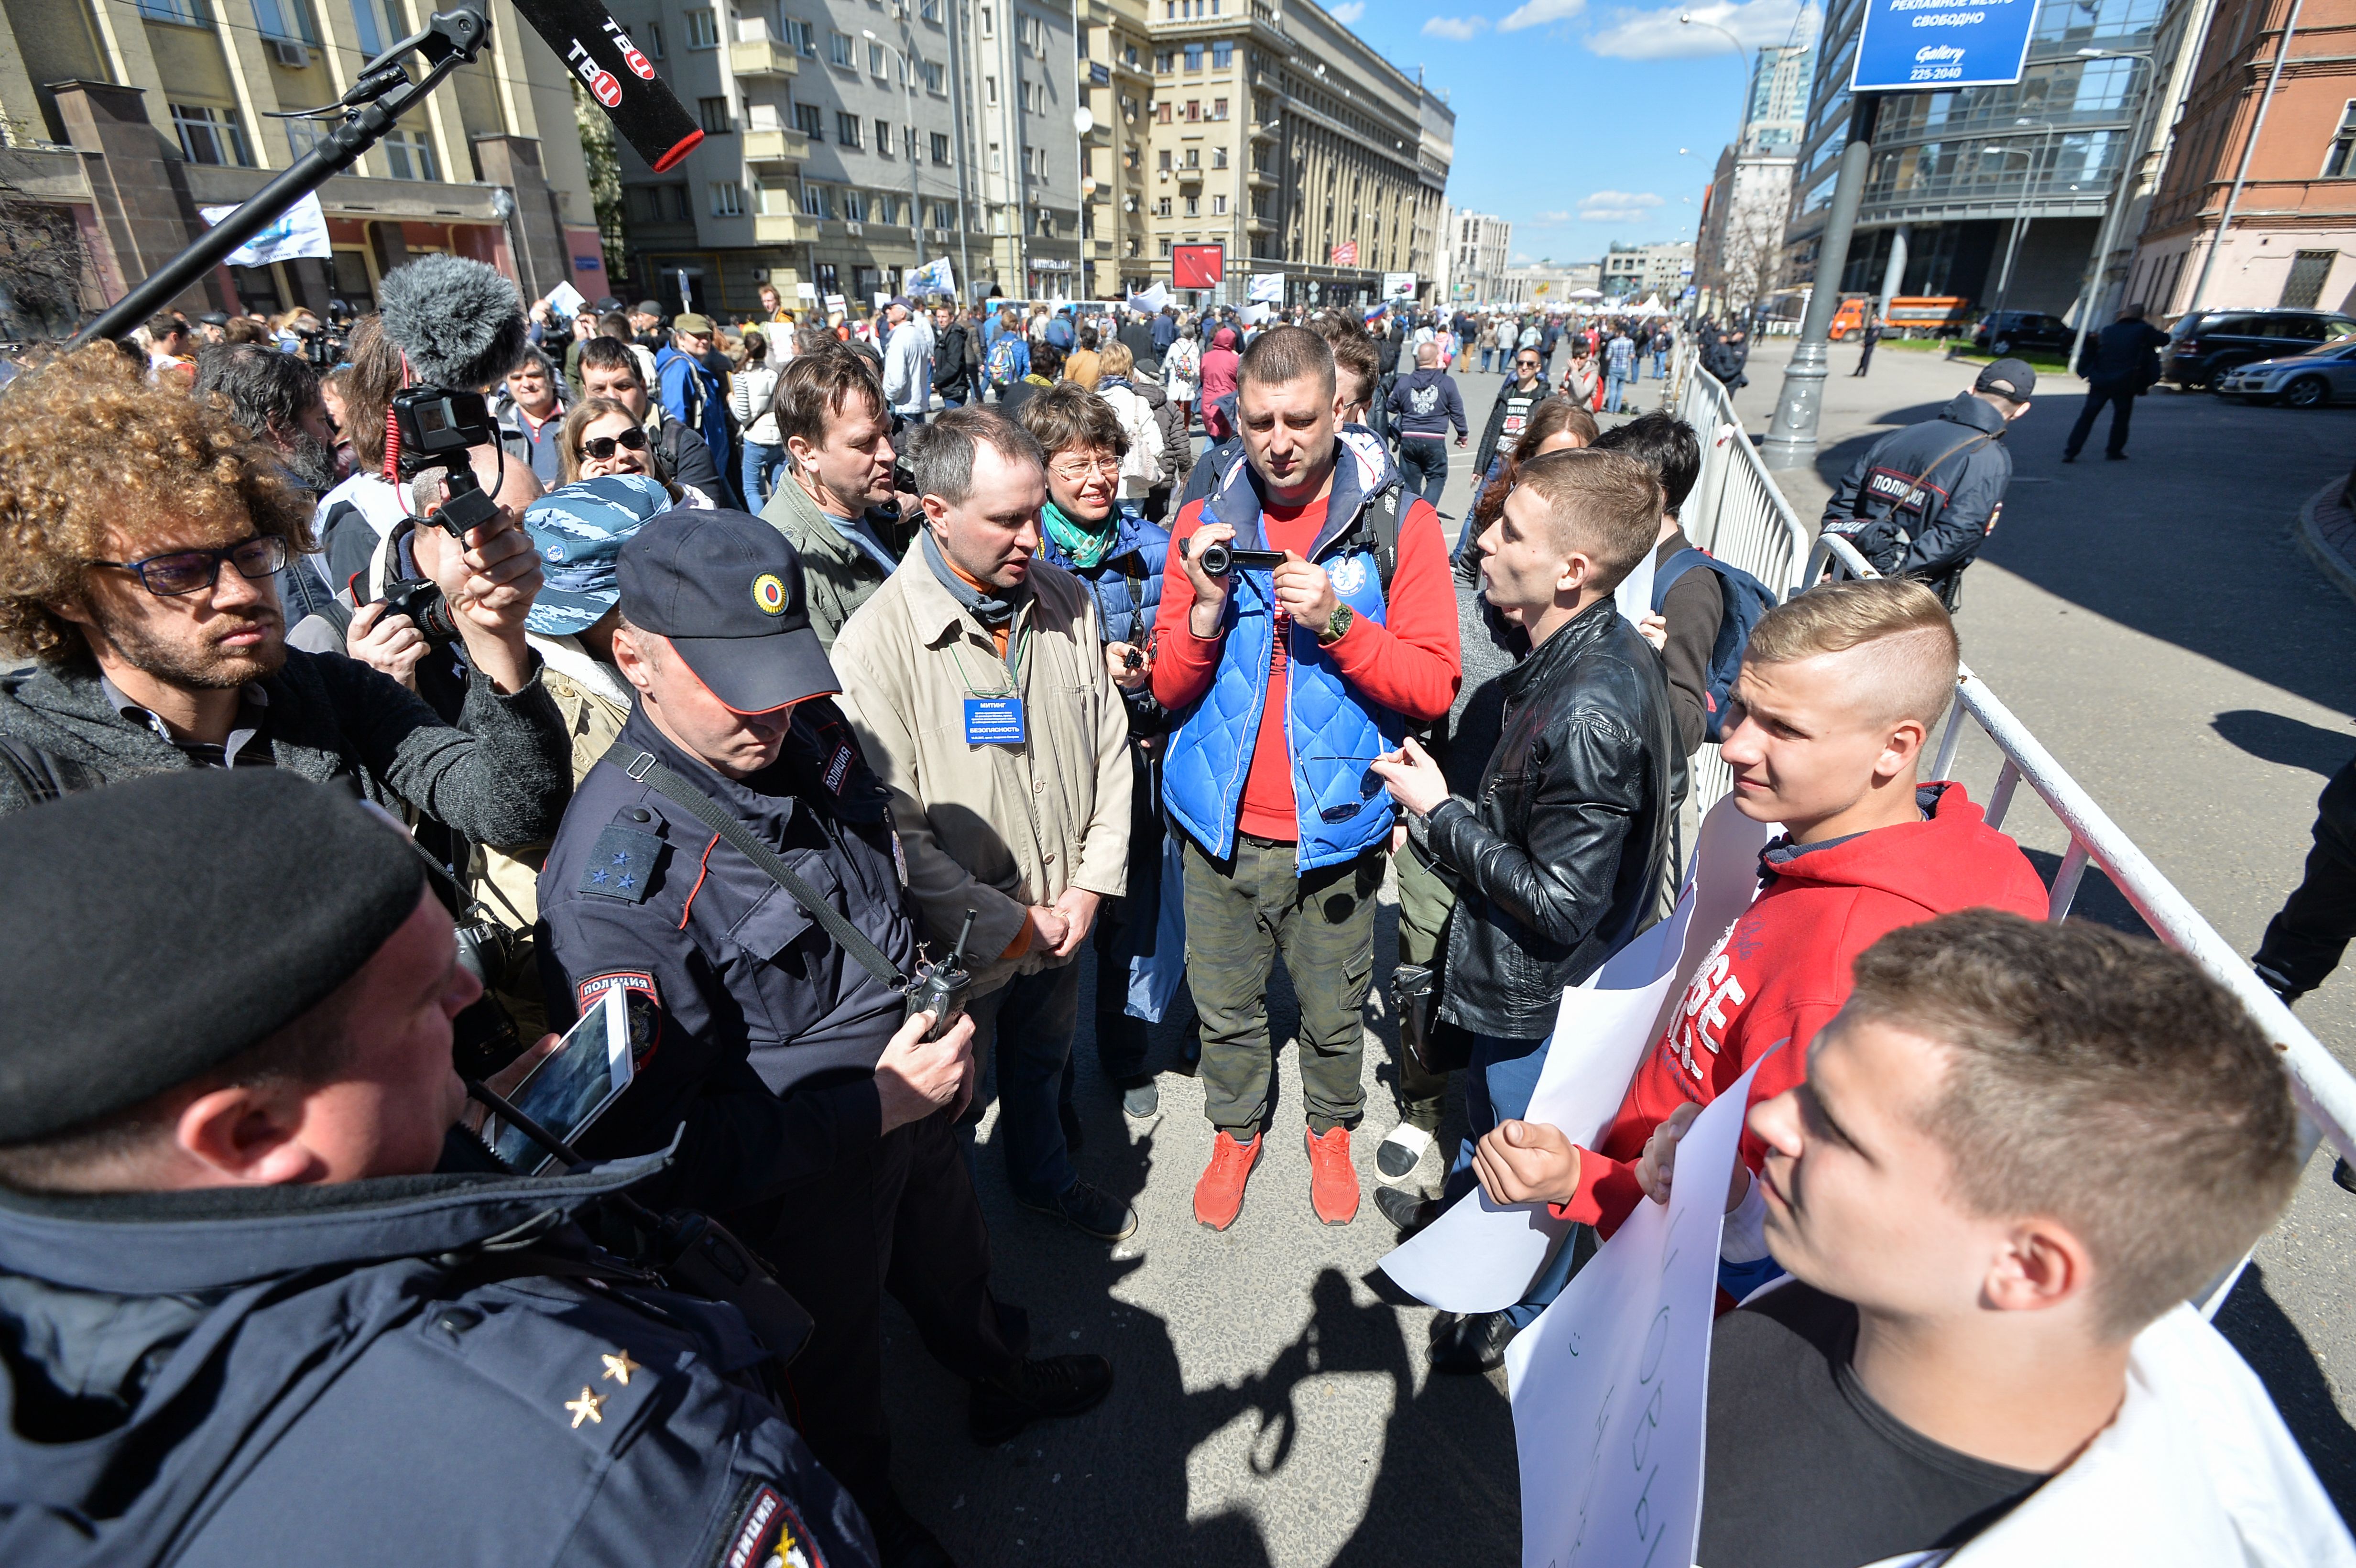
point(2149, 620)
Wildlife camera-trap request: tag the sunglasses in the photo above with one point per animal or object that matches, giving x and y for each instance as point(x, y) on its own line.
point(600, 448)
point(186, 571)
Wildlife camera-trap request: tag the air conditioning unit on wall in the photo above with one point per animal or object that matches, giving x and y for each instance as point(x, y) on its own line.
point(290, 54)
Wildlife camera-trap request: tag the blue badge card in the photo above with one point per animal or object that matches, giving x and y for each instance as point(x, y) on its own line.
point(993, 721)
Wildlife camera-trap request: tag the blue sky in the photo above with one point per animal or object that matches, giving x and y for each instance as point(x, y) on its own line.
point(1570, 114)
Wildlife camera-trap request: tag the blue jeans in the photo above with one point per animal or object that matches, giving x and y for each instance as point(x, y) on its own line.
point(1505, 1074)
point(1486, 354)
point(1613, 387)
point(760, 463)
point(1660, 364)
point(1423, 461)
point(1034, 1016)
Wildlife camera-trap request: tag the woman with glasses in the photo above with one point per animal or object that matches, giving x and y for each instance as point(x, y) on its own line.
point(1087, 529)
point(602, 437)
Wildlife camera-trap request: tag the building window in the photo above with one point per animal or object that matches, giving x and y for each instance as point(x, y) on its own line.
point(2339, 164)
point(1161, 112)
point(2309, 272)
point(936, 79)
point(187, 13)
point(989, 91)
point(1218, 157)
point(702, 29)
point(931, 10)
point(1219, 206)
point(1223, 55)
point(727, 200)
point(285, 19)
point(211, 136)
point(1162, 208)
point(883, 137)
point(1193, 57)
point(1218, 109)
point(810, 120)
point(1165, 243)
point(800, 38)
point(814, 202)
point(847, 128)
point(882, 210)
point(940, 147)
point(1163, 61)
point(997, 163)
point(838, 50)
point(1193, 112)
point(944, 215)
point(876, 60)
point(1165, 160)
point(713, 113)
point(989, 22)
point(1194, 206)
point(1194, 157)
point(409, 155)
point(854, 206)
point(650, 38)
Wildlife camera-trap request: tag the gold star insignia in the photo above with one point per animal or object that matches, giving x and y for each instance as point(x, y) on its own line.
point(585, 1408)
point(618, 1367)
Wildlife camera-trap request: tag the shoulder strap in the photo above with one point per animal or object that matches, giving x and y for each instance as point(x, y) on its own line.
point(1677, 566)
point(42, 777)
point(642, 766)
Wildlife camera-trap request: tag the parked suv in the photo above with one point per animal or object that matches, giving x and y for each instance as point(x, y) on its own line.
point(2010, 331)
point(2205, 343)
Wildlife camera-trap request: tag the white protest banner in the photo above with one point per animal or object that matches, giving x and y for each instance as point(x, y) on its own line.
point(300, 230)
point(935, 277)
point(1267, 288)
point(1151, 302)
point(1611, 1385)
point(1481, 1257)
point(566, 299)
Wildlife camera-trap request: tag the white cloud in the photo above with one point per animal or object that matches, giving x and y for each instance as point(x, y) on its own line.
point(1348, 12)
point(1547, 220)
point(1658, 35)
point(1617, 207)
point(1538, 13)
point(1462, 29)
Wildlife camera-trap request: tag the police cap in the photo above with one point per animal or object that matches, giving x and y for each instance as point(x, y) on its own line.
point(158, 927)
point(726, 589)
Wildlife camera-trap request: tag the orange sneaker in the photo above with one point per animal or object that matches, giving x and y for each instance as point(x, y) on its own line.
point(1219, 1196)
point(1332, 1180)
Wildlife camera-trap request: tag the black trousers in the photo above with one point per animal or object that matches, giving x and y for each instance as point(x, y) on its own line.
point(2304, 943)
point(899, 1215)
point(2121, 396)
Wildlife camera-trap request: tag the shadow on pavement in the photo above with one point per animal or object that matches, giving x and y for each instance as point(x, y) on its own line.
point(2099, 899)
point(2282, 740)
point(2279, 1354)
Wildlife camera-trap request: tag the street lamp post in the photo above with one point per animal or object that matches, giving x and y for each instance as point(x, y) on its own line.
point(2020, 224)
point(1791, 439)
point(915, 201)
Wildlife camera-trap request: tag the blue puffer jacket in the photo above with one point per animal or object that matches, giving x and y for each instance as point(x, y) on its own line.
point(1331, 731)
point(1127, 587)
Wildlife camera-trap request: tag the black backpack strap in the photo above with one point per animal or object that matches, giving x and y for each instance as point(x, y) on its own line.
point(642, 766)
point(40, 774)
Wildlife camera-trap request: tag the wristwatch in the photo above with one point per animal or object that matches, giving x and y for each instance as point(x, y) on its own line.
point(1336, 626)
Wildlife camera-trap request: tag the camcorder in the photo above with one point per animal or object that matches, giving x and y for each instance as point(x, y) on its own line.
point(324, 348)
point(1220, 559)
point(437, 426)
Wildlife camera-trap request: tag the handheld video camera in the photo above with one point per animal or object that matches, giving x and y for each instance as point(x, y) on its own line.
point(437, 426)
point(1220, 559)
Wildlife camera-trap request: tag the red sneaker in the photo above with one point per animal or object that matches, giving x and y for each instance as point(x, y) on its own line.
point(1219, 1196)
point(1332, 1180)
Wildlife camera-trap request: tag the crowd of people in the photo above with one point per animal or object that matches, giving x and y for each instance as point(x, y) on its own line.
point(748, 676)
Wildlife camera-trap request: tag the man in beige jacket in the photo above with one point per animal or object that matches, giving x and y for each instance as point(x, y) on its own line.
point(977, 684)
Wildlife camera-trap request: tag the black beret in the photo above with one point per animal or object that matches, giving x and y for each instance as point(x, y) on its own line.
point(158, 927)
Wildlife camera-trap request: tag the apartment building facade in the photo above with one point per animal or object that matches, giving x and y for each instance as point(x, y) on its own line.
point(2292, 234)
point(123, 119)
point(1277, 133)
point(1116, 50)
point(1479, 245)
point(1637, 272)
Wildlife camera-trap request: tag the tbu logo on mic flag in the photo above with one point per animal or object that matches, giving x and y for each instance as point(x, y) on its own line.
point(631, 57)
point(601, 81)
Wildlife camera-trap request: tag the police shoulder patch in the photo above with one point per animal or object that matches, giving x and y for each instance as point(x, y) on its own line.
point(768, 1534)
point(621, 864)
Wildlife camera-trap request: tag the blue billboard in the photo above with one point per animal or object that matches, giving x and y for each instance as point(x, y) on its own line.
point(1925, 45)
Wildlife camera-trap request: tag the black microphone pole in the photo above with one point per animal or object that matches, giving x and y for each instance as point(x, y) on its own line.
point(451, 39)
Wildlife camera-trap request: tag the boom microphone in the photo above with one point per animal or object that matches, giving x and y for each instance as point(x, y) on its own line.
point(618, 76)
point(459, 321)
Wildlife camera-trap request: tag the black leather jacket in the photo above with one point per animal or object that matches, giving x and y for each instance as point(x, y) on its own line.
point(1558, 862)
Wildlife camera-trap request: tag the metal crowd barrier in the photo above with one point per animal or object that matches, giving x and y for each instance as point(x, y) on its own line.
point(2324, 1089)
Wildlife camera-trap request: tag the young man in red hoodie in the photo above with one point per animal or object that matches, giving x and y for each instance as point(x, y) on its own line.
point(1288, 682)
point(1838, 693)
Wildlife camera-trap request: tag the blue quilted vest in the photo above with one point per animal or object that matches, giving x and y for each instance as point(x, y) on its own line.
point(1330, 730)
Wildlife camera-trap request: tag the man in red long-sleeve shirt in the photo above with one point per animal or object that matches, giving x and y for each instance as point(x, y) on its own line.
point(1287, 683)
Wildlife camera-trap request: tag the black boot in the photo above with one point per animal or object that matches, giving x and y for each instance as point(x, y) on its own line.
point(901, 1542)
point(1036, 1391)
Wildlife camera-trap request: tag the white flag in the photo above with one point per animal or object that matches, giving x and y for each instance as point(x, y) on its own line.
point(300, 230)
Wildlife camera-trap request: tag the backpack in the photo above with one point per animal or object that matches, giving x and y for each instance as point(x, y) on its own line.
point(1002, 361)
point(1745, 599)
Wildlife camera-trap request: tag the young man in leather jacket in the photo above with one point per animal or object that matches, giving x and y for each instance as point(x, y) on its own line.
point(1556, 862)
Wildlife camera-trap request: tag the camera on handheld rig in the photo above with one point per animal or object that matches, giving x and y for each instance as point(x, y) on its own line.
point(436, 426)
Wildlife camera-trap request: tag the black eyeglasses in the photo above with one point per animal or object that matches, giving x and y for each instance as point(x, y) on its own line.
point(186, 571)
point(600, 448)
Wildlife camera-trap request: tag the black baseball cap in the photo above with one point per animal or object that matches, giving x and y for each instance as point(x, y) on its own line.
point(726, 589)
point(2014, 378)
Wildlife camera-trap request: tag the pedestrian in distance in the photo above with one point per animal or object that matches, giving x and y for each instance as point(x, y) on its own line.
point(2120, 363)
point(1870, 335)
point(1619, 368)
point(751, 394)
point(1423, 407)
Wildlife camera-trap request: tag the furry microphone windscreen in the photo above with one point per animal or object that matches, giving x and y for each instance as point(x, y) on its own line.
point(460, 323)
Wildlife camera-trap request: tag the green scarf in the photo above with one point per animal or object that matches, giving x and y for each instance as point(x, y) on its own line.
point(1083, 549)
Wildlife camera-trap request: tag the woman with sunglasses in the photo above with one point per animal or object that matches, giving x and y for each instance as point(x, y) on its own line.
point(602, 437)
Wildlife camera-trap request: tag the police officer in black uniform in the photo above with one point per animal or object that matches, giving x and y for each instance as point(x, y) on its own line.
point(1922, 500)
point(815, 1122)
point(241, 1319)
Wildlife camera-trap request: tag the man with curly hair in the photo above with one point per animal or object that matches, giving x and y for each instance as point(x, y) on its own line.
point(139, 571)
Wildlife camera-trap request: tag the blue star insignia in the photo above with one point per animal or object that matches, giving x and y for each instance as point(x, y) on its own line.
point(621, 860)
point(628, 881)
point(597, 877)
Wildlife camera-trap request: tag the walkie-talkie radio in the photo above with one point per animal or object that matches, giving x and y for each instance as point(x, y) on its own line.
point(941, 988)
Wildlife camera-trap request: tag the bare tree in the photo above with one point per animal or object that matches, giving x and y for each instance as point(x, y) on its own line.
point(1750, 255)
